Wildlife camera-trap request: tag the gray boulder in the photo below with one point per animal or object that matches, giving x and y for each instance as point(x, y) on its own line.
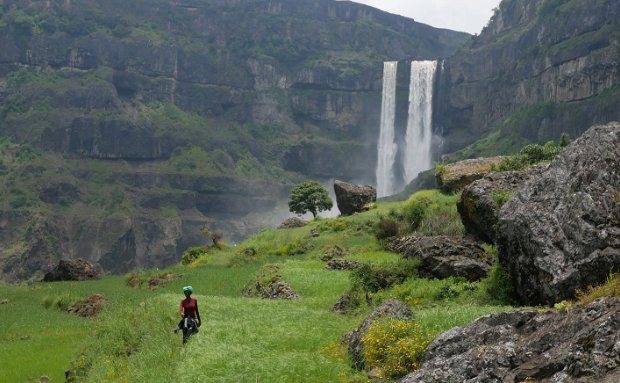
point(72, 270)
point(352, 198)
point(478, 205)
point(560, 231)
point(576, 345)
point(443, 257)
point(454, 177)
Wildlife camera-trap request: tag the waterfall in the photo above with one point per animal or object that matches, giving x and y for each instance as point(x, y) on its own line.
point(387, 147)
point(418, 139)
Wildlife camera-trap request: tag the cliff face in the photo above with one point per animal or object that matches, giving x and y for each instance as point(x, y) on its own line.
point(130, 125)
point(538, 69)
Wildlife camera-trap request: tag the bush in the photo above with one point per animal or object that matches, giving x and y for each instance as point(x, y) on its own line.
point(372, 278)
point(192, 254)
point(499, 286)
point(416, 210)
point(395, 346)
point(387, 228)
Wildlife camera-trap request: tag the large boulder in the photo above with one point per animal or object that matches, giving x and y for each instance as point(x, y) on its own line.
point(576, 345)
point(443, 257)
point(454, 177)
point(352, 198)
point(481, 201)
point(72, 270)
point(560, 231)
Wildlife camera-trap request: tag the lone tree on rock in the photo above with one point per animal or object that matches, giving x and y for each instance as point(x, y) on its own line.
point(309, 196)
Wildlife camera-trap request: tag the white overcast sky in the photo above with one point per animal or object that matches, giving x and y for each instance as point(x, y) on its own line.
point(459, 15)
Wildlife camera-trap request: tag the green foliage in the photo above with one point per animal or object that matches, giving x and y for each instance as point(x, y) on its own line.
point(371, 278)
point(396, 346)
point(499, 286)
point(416, 210)
point(60, 302)
point(387, 228)
point(295, 247)
point(610, 288)
point(529, 155)
point(311, 197)
point(192, 254)
point(500, 197)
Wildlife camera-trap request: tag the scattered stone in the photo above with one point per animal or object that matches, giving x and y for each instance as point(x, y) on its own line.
point(279, 290)
point(581, 344)
point(342, 264)
point(389, 309)
point(345, 305)
point(72, 270)
point(44, 378)
point(560, 231)
point(88, 307)
point(24, 337)
point(443, 257)
point(292, 223)
point(456, 176)
point(156, 281)
point(334, 252)
point(268, 284)
point(314, 233)
point(5, 302)
point(352, 198)
point(134, 281)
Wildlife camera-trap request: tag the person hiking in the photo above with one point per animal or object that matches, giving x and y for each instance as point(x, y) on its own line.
point(190, 316)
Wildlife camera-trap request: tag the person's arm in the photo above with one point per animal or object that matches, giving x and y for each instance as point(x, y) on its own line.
point(182, 310)
point(198, 314)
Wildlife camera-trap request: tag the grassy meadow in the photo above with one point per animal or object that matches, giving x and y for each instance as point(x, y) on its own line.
point(241, 339)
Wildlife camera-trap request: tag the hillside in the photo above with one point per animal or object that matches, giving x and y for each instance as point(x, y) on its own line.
point(242, 339)
point(128, 127)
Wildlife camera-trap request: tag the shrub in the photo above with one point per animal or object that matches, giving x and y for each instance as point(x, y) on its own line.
point(192, 253)
point(416, 210)
point(395, 346)
point(372, 278)
point(295, 247)
point(611, 288)
point(387, 228)
point(499, 286)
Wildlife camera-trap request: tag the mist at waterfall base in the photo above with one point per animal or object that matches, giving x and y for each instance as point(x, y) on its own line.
point(401, 156)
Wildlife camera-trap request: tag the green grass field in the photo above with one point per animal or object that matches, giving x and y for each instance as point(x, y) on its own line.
point(241, 339)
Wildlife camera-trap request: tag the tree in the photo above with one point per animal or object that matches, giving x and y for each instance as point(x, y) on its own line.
point(309, 196)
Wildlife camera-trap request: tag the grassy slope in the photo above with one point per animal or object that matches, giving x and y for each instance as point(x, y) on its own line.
point(242, 339)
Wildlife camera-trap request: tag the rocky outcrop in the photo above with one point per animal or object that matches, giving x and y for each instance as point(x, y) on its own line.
point(390, 309)
point(72, 270)
point(342, 264)
point(481, 201)
point(443, 257)
point(560, 231)
point(577, 345)
point(352, 198)
point(454, 177)
point(539, 68)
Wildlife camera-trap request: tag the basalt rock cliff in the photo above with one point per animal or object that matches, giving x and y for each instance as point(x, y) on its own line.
point(128, 126)
point(540, 68)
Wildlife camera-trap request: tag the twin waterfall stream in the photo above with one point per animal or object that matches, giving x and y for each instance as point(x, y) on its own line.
point(416, 153)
